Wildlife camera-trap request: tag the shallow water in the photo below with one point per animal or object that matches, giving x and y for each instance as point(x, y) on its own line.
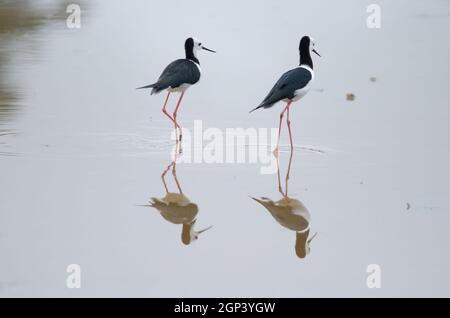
point(82, 152)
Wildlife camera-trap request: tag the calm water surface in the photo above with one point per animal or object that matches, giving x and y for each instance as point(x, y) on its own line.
point(82, 152)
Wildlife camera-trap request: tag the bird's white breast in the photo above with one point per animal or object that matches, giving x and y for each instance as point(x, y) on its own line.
point(303, 91)
point(198, 66)
point(183, 87)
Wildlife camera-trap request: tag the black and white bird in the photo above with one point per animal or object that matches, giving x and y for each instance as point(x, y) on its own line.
point(292, 85)
point(178, 76)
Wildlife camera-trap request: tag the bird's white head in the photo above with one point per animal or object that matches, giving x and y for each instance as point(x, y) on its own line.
point(302, 244)
point(307, 44)
point(193, 45)
point(306, 47)
point(189, 234)
point(198, 45)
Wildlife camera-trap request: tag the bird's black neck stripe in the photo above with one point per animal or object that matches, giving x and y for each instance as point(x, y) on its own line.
point(191, 56)
point(305, 59)
point(189, 48)
point(305, 54)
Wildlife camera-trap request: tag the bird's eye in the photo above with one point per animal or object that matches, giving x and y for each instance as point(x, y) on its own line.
point(199, 44)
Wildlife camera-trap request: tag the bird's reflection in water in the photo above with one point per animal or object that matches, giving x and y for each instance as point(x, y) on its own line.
point(176, 207)
point(290, 213)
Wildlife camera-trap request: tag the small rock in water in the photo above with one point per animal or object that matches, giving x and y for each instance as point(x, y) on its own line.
point(350, 97)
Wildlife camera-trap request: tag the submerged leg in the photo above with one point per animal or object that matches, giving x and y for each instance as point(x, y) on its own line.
point(280, 188)
point(163, 177)
point(174, 173)
point(288, 173)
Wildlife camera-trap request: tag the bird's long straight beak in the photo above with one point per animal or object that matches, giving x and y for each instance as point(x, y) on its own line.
point(208, 228)
point(317, 53)
point(206, 49)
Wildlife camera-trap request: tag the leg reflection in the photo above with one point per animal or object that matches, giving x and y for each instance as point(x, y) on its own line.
point(177, 208)
point(289, 212)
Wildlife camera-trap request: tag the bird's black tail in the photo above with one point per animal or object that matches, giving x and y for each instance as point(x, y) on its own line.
point(260, 106)
point(147, 86)
point(155, 88)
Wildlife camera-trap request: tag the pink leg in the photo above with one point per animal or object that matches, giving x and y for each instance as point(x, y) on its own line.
point(289, 125)
point(164, 108)
point(175, 116)
point(279, 128)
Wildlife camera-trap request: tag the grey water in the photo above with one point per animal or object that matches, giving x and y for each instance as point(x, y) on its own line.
point(82, 152)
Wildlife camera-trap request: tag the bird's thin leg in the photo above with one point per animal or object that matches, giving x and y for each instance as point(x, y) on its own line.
point(289, 124)
point(175, 115)
point(279, 129)
point(164, 108)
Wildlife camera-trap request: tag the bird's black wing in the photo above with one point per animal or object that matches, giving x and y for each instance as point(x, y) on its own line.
point(286, 86)
point(182, 71)
point(179, 72)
